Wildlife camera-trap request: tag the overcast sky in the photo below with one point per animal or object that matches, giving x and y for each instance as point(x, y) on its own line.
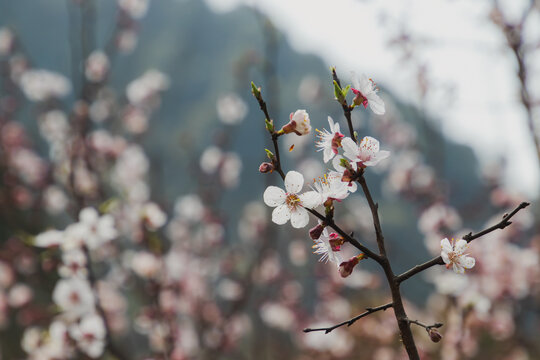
point(475, 93)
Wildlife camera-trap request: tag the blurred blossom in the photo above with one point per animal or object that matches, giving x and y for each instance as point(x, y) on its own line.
point(135, 8)
point(126, 40)
point(147, 85)
point(448, 283)
point(231, 109)
point(297, 252)
point(6, 41)
point(135, 120)
point(97, 66)
point(89, 334)
point(211, 159)
point(49, 238)
point(311, 168)
point(13, 135)
point(229, 289)
point(30, 167)
point(54, 126)
point(153, 216)
point(19, 295)
point(277, 316)
point(253, 221)
point(230, 170)
point(74, 296)
point(146, 264)
point(99, 229)
point(439, 216)
point(189, 207)
point(55, 200)
point(41, 85)
point(73, 264)
point(310, 89)
point(6, 275)
point(339, 342)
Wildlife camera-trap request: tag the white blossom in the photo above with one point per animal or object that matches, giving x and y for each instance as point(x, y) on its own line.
point(453, 255)
point(290, 204)
point(74, 296)
point(41, 85)
point(89, 334)
point(329, 140)
point(323, 248)
point(366, 93)
point(365, 154)
point(231, 109)
point(330, 187)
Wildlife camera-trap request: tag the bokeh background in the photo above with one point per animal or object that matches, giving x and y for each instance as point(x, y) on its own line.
point(142, 110)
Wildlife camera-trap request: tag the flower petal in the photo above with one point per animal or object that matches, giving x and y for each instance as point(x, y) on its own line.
point(467, 262)
point(310, 199)
point(461, 246)
point(337, 164)
point(274, 196)
point(446, 246)
point(328, 154)
point(299, 218)
point(294, 181)
point(376, 104)
point(281, 214)
point(458, 269)
point(350, 149)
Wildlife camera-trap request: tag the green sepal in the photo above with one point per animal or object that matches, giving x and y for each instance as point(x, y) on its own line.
point(269, 125)
point(270, 154)
point(338, 93)
point(256, 91)
point(344, 163)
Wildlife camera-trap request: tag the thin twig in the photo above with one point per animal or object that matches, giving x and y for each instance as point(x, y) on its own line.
point(469, 237)
point(374, 213)
point(427, 327)
point(351, 321)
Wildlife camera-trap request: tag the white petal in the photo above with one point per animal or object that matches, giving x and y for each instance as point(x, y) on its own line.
point(376, 104)
point(299, 218)
point(355, 80)
point(274, 196)
point(458, 269)
point(331, 123)
point(294, 181)
point(446, 246)
point(88, 215)
point(352, 187)
point(350, 148)
point(310, 199)
point(461, 246)
point(378, 157)
point(281, 214)
point(369, 144)
point(445, 257)
point(365, 84)
point(328, 154)
point(467, 262)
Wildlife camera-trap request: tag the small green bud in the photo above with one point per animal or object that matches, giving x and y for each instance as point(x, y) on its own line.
point(346, 90)
point(256, 91)
point(269, 125)
point(270, 154)
point(338, 93)
point(344, 163)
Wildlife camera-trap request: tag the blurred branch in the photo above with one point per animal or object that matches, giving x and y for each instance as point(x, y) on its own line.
point(369, 311)
point(469, 237)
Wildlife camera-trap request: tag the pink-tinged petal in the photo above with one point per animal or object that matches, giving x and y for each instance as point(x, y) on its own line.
point(310, 199)
point(461, 246)
point(467, 262)
point(294, 181)
point(352, 187)
point(445, 257)
point(365, 84)
point(274, 196)
point(355, 80)
point(331, 124)
point(350, 149)
point(376, 104)
point(299, 218)
point(369, 144)
point(281, 214)
point(446, 246)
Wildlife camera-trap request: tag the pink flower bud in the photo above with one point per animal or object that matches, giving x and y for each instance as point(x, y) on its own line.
point(434, 335)
point(359, 99)
point(346, 267)
point(266, 167)
point(316, 232)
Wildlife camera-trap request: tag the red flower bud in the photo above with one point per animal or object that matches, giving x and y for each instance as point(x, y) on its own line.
point(346, 267)
point(336, 241)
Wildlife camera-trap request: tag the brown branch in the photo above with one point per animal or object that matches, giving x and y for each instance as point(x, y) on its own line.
point(346, 108)
point(374, 213)
point(351, 321)
point(469, 237)
point(427, 327)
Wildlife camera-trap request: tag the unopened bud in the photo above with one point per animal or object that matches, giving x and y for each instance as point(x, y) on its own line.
point(434, 335)
point(266, 167)
point(269, 125)
point(299, 124)
point(316, 232)
point(256, 91)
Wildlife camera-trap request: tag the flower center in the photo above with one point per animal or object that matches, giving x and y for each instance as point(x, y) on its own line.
point(292, 201)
